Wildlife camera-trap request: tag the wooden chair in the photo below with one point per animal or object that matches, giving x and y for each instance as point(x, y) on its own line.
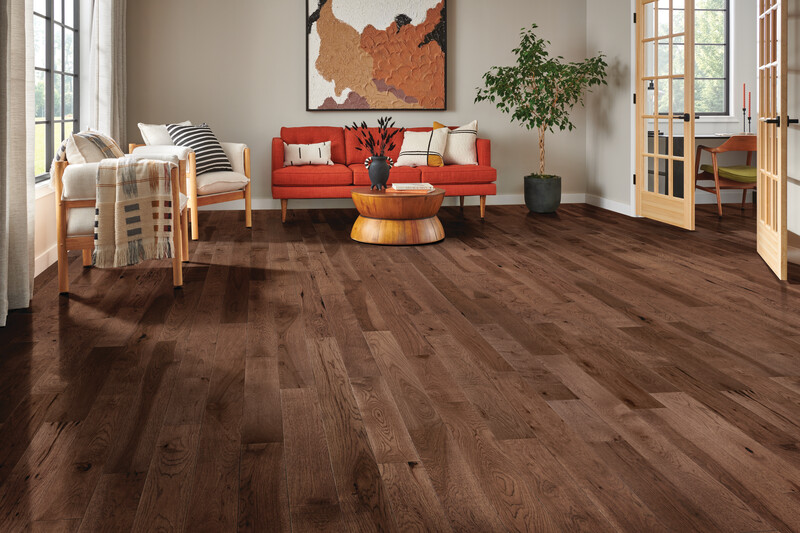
point(736, 177)
point(239, 155)
point(77, 232)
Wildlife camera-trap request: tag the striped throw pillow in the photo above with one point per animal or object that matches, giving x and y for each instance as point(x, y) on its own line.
point(209, 155)
point(424, 148)
point(461, 144)
point(91, 147)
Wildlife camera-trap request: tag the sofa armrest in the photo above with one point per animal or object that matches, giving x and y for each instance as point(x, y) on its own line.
point(484, 148)
point(277, 153)
point(235, 152)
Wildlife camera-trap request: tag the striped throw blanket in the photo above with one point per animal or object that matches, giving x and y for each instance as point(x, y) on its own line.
point(133, 213)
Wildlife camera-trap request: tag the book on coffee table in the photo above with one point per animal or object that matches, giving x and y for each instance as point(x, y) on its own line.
point(412, 188)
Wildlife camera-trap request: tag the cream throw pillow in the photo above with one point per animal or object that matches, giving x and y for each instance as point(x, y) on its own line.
point(461, 144)
point(91, 147)
point(298, 155)
point(157, 134)
point(423, 148)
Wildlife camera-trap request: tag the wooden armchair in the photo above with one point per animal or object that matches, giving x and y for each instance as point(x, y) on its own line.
point(211, 187)
point(744, 178)
point(75, 215)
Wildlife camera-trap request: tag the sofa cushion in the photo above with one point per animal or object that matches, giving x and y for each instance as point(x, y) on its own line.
point(355, 156)
point(80, 182)
point(458, 174)
point(209, 155)
point(157, 134)
point(312, 176)
point(301, 155)
point(163, 152)
point(219, 182)
point(91, 147)
point(423, 148)
point(313, 135)
point(461, 144)
point(396, 175)
point(80, 221)
point(741, 174)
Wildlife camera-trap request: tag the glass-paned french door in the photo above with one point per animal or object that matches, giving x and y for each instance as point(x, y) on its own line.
point(665, 111)
point(773, 126)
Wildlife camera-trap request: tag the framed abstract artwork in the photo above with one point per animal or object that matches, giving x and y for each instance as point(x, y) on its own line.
point(376, 55)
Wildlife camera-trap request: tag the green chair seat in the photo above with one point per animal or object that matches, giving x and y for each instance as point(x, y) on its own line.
point(742, 174)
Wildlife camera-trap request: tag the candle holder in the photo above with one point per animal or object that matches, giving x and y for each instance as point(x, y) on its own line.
point(748, 124)
point(744, 119)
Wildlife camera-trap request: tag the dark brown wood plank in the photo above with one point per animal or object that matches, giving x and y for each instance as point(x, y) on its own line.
point(263, 500)
point(361, 491)
point(308, 467)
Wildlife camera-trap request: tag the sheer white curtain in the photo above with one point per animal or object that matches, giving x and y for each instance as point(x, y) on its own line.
point(16, 155)
point(107, 68)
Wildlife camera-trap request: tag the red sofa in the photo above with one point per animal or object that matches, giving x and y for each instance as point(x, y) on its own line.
point(348, 171)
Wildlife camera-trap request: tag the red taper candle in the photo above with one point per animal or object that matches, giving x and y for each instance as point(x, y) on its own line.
point(744, 94)
point(749, 105)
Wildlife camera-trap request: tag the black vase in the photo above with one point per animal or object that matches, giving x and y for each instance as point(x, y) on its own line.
point(379, 172)
point(542, 194)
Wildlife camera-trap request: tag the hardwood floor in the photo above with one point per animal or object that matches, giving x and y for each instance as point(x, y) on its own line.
point(577, 372)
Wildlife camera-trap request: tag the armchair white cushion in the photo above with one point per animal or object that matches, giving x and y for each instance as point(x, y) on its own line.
point(235, 153)
point(220, 182)
point(80, 182)
point(80, 221)
point(162, 152)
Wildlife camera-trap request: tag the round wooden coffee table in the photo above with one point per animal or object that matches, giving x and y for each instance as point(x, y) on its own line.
point(399, 219)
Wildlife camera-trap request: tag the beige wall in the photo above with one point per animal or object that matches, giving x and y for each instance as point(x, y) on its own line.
point(610, 109)
point(240, 66)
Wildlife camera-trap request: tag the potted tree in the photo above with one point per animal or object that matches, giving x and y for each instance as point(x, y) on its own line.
point(539, 92)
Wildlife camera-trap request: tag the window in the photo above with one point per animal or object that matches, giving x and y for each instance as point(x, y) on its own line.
point(712, 57)
point(56, 45)
point(711, 51)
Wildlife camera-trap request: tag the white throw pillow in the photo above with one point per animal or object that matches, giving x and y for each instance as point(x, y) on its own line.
point(461, 144)
point(157, 134)
point(91, 147)
point(298, 155)
point(423, 149)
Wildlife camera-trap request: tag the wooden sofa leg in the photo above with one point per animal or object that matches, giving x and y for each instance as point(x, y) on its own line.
point(461, 201)
point(87, 257)
point(284, 207)
point(483, 206)
point(185, 235)
point(195, 227)
point(63, 268)
point(248, 207)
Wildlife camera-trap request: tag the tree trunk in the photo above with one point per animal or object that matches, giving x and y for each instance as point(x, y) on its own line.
point(541, 150)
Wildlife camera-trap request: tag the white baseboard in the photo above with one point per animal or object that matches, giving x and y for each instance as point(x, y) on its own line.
point(727, 197)
point(270, 204)
point(609, 205)
point(45, 259)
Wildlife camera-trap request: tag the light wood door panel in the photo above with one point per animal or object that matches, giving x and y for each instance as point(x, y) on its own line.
point(665, 111)
point(773, 125)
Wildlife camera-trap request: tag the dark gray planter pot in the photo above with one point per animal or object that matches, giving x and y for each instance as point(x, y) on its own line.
point(542, 195)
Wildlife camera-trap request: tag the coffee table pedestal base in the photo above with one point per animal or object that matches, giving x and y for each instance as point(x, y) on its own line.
point(397, 232)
